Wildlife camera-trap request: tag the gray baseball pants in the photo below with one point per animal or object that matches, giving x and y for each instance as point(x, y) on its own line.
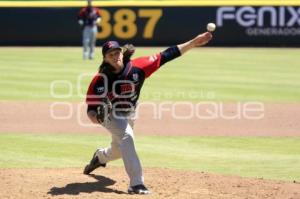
point(122, 146)
point(89, 41)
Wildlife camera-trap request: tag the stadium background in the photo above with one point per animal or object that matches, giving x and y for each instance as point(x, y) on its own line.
point(154, 23)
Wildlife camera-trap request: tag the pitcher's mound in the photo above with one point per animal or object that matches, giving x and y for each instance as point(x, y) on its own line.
point(112, 182)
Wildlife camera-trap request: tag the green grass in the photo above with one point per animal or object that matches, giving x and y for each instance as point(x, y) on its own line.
point(271, 158)
point(219, 74)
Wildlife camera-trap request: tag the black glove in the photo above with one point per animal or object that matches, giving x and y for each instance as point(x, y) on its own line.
point(104, 111)
point(128, 51)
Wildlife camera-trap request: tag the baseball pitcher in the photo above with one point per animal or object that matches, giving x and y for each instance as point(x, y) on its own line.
point(112, 97)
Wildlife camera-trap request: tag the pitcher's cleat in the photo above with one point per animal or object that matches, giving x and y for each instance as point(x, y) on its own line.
point(94, 164)
point(138, 189)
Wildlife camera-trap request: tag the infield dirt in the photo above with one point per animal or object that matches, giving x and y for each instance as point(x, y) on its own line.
point(111, 183)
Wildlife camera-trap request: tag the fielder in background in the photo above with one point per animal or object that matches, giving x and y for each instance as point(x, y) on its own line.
point(112, 98)
point(88, 18)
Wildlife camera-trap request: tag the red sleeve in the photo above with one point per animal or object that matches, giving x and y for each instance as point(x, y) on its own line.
point(81, 12)
point(91, 96)
point(98, 12)
point(148, 64)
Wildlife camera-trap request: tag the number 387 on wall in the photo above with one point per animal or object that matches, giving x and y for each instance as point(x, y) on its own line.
point(124, 25)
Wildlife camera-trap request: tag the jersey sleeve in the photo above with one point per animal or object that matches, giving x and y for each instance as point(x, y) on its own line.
point(97, 90)
point(81, 13)
point(148, 64)
point(98, 12)
point(151, 63)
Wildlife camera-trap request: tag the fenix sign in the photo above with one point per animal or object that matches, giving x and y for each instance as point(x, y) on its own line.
point(282, 20)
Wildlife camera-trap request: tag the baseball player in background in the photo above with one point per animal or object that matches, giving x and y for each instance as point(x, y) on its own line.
point(112, 98)
point(88, 18)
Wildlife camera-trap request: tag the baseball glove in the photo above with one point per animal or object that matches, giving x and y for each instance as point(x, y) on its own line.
point(128, 51)
point(104, 110)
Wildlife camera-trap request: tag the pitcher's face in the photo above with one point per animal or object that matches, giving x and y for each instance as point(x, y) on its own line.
point(115, 59)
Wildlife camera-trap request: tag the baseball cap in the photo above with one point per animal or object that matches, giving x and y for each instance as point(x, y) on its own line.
point(109, 46)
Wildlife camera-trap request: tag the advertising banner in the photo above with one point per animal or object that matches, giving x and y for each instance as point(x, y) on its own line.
point(154, 25)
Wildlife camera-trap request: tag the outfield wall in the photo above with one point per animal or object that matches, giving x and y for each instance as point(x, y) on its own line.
point(153, 23)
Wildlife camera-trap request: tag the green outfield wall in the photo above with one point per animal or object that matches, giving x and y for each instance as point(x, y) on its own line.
point(153, 23)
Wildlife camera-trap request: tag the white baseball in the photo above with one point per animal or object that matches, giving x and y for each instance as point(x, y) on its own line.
point(211, 27)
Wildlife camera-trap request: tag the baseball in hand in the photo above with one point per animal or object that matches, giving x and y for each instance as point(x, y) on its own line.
point(211, 27)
